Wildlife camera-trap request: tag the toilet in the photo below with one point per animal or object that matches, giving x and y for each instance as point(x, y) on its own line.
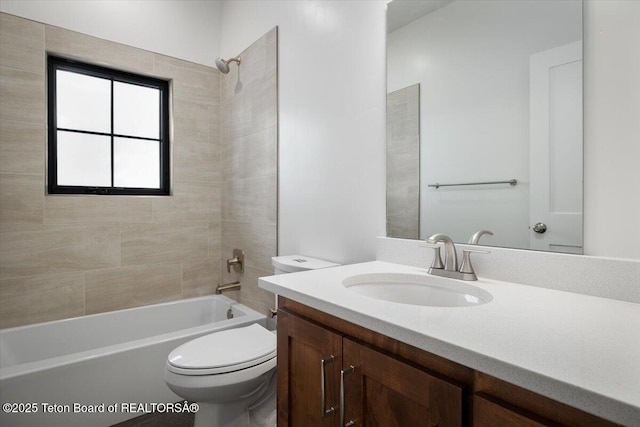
point(225, 373)
point(231, 374)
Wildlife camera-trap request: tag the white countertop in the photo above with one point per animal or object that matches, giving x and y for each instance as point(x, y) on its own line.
point(577, 349)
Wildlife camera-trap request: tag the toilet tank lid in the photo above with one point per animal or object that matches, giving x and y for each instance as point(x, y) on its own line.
point(293, 263)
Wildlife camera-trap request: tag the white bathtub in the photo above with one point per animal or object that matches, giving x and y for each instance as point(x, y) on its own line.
point(109, 358)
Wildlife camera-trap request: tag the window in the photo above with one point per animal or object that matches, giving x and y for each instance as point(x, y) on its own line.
point(108, 131)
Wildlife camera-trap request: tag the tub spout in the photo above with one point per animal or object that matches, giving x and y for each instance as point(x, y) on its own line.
point(228, 287)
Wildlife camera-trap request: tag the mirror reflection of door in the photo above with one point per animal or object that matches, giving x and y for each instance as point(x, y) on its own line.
point(403, 163)
point(556, 149)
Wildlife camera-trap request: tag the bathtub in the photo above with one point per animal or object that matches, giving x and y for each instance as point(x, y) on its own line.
point(53, 373)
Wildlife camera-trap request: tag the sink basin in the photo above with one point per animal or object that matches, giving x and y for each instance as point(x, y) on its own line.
point(417, 289)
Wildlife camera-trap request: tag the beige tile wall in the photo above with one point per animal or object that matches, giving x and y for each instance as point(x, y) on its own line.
point(65, 256)
point(403, 163)
point(248, 134)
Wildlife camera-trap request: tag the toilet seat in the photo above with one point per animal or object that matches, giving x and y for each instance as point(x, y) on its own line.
point(224, 352)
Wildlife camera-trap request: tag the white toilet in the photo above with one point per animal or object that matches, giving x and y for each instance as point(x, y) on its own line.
point(226, 373)
point(232, 374)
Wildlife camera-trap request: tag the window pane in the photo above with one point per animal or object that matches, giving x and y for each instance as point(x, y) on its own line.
point(84, 159)
point(136, 110)
point(136, 163)
point(83, 102)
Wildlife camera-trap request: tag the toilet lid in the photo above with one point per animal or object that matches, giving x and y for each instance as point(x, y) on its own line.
point(226, 350)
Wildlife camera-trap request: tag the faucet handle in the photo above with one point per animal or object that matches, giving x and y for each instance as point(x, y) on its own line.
point(237, 260)
point(476, 236)
point(437, 260)
point(466, 266)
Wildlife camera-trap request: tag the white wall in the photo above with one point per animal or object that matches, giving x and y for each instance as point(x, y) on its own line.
point(332, 92)
point(612, 128)
point(187, 30)
point(332, 120)
point(331, 96)
point(472, 62)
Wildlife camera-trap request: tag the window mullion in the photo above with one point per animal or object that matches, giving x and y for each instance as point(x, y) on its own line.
point(112, 139)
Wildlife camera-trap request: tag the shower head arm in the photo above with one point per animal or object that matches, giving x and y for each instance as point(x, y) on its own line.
point(223, 64)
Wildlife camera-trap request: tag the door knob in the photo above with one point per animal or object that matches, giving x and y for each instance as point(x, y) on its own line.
point(540, 228)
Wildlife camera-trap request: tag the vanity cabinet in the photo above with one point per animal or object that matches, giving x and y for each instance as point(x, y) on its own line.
point(324, 360)
point(381, 390)
point(308, 355)
point(323, 372)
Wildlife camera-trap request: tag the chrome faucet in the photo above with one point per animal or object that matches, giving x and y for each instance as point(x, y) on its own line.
point(450, 267)
point(450, 255)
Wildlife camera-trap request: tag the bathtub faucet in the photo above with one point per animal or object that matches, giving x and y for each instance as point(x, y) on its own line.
point(236, 261)
point(227, 287)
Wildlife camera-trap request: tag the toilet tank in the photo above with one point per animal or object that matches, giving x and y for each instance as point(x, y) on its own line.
point(295, 263)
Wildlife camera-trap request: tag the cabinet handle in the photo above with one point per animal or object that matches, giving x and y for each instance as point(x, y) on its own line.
point(323, 363)
point(344, 372)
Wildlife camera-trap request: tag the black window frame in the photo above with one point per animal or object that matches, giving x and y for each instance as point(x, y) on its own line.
point(55, 63)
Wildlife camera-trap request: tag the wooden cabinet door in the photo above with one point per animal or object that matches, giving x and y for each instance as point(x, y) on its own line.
point(384, 391)
point(302, 346)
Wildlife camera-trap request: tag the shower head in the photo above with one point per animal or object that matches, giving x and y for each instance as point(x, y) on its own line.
point(223, 65)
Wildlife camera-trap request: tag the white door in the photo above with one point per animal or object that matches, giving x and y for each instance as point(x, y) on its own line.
point(556, 149)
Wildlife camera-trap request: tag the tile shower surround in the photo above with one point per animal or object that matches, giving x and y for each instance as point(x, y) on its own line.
point(248, 139)
point(66, 256)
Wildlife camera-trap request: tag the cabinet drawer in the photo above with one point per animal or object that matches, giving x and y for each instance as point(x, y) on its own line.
point(488, 413)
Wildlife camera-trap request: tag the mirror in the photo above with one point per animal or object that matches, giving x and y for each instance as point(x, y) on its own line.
point(484, 121)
